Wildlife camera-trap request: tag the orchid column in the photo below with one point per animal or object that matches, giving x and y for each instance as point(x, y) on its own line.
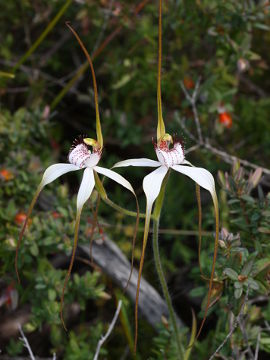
point(170, 155)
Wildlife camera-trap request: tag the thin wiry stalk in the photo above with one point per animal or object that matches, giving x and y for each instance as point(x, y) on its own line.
point(161, 126)
point(94, 225)
point(145, 236)
point(133, 243)
point(103, 195)
point(98, 124)
point(157, 260)
point(76, 235)
point(84, 67)
point(198, 195)
point(23, 230)
point(164, 287)
point(215, 201)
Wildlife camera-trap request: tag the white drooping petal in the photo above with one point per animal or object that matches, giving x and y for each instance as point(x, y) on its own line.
point(56, 170)
point(170, 157)
point(79, 154)
point(152, 184)
point(137, 162)
point(86, 188)
point(114, 176)
point(201, 176)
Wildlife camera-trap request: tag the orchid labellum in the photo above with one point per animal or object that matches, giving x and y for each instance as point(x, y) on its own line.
point(170, 155)
point(80, 158)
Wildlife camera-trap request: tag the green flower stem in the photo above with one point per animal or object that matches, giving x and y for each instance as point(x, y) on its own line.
point(161, 276)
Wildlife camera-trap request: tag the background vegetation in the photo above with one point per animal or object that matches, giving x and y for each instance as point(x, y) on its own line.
point(222, 44)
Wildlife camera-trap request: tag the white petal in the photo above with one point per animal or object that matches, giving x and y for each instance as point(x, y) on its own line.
point(86, 188)
point(56, 170)
point(152, 184)
point(201, 176)
point(114, 176)
point(137, 162)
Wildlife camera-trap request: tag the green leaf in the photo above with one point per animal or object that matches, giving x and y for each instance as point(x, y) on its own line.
point(238, 285)
point(34, 250)
point(248, 198)
point(51, 294)
point(238, 293)
point(253, 284)
point(231, 274)
point(247, 267)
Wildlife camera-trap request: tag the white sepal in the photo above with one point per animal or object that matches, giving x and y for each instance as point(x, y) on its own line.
point(86, 188)
point(138, 162)
point(56, 170)
point(201, 176)
point(114, 176)
point(151, 186)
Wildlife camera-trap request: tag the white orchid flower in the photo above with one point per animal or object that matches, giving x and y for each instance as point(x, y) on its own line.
point(80, 158)
point(171, 158)
point(168, 158)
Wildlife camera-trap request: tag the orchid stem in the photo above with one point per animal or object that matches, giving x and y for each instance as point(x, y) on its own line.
point(161, 276)
point(123, 210)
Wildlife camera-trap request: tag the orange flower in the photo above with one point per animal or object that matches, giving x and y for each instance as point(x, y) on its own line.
point(56, 214)
point(6, 174)
point(225, 119)
point(188, 82)
point(20, 218)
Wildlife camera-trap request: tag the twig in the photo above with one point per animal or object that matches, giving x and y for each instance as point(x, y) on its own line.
point(26, 343)
point(107, 16)
point(192, 100)
point(182, 123)
point(257, 346)
point(234, 326)
point(245, 337)
point(192, 148)
point(105, 337)
point(230, 159)
point(201, 142)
